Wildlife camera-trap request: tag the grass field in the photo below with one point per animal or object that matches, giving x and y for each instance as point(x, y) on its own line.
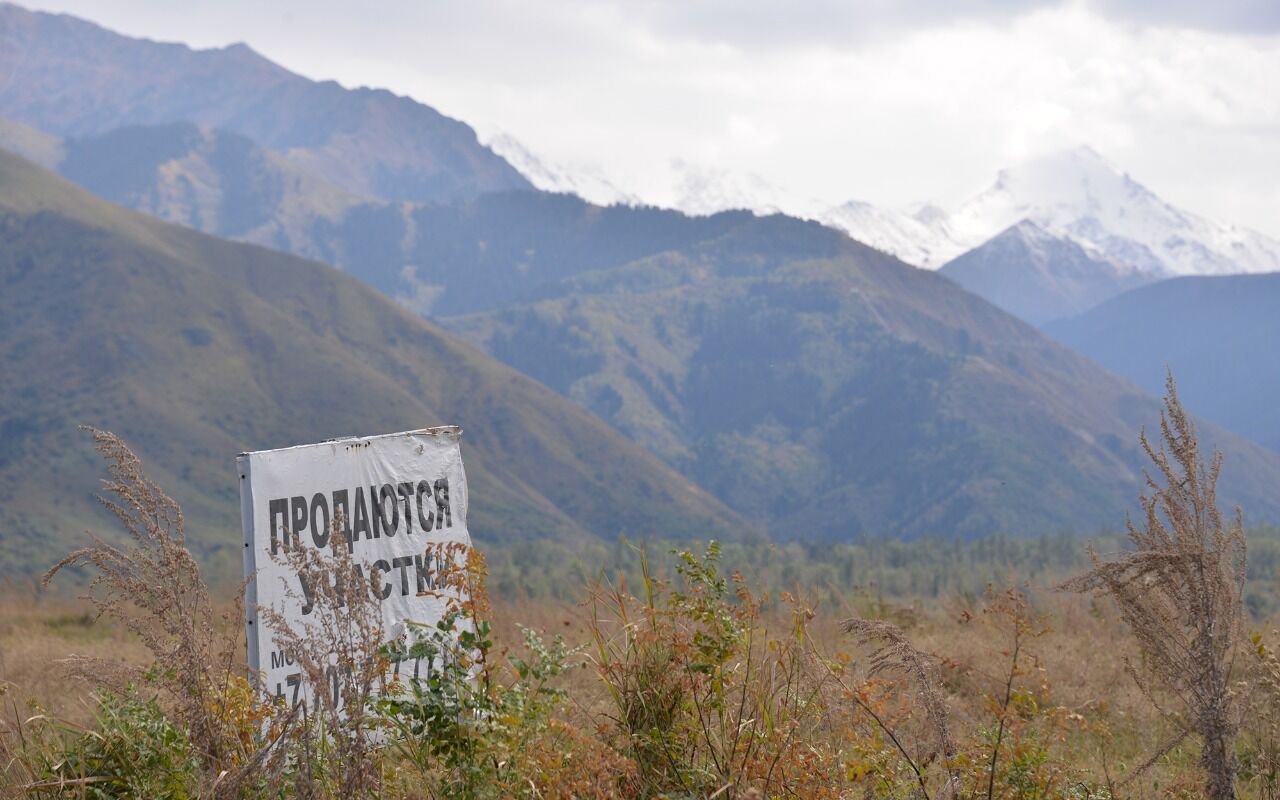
point(875, 669)
point(1077, 724)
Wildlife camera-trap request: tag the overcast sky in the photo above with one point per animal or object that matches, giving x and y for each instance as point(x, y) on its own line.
point(879, 100)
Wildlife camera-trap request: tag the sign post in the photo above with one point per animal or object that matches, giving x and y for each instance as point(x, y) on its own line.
point(397, 497)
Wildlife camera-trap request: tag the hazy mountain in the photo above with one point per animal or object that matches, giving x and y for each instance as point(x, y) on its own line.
point(586, 182)
point(71, 78)
point(195, 349)
point(1039, 277)
point(36, 146)
point(829, 390)
point(519, 248)
point(438, 259)
point(1078, 195)
point(1218, 334)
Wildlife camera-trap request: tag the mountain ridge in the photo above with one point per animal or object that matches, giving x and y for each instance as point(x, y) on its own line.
point(194, 349)
point(832, 391)
point(1079, 195)
point(80, 79)
point(1040, 277)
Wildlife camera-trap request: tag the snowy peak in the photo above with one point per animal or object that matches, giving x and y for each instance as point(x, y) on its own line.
point(1081, 196)
point(703, 190)
point(1070, 177)
point(586, 182)
point(922, 237)
point(1075, 183)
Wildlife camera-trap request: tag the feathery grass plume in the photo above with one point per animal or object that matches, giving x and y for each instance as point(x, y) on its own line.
point(1180, 591)
point(339, 657)
point(154, 589)
point(894, 652)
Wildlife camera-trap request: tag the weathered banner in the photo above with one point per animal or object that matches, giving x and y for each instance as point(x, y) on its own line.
point(397, 498)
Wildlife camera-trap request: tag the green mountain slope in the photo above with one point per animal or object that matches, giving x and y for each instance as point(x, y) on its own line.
point(71, 78)
point(1218, 334)
point(827, 389)
point(195, 349)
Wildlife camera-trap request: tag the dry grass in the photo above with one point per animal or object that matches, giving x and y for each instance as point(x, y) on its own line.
point(38, 634)
point(696, 686)
point(1076, 674)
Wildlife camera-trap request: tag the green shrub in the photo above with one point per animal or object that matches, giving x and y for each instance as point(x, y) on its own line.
point(132, 750)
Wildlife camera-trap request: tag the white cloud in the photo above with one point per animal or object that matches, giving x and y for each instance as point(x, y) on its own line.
point(832, 101)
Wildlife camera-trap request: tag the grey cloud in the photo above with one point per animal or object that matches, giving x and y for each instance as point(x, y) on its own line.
point(836, 23)
point(1234, 16)
point(757, 23)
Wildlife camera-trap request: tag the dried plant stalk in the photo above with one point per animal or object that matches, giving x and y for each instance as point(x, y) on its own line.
point(341, 664)
point(155, 590)
point(894, 653)
point(1180, 591)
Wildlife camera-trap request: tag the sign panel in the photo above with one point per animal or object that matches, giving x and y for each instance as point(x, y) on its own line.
point(398, 497)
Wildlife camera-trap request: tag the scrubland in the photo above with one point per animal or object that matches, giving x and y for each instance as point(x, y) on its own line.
point(1148, 670)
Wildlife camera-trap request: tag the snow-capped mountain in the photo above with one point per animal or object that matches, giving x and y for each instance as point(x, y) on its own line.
point(589, 183)
point(1074, 194)
point(1040, 277)
point(1079, 195)
point(701, 190)
point(922, 237)
point(691, 188)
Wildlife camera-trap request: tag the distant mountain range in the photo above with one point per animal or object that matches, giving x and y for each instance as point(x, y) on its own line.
point(1051, 237)
point(580, 297)
point(1219, 335)
point(830, 390)
point(816, 386)
point(71, 78)
point(194, 349)
point(1074, 194)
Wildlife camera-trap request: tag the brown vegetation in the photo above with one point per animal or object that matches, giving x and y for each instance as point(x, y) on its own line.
point(697, 685)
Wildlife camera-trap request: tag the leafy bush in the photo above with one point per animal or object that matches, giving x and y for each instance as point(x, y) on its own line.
point(133, 750)
point(704, 699)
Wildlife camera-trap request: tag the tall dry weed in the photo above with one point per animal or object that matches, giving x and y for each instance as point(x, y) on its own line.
point(154, 589)
point(1180, 592)
point(338, 654)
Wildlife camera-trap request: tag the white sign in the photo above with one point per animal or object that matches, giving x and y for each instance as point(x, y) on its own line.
point(399, 496)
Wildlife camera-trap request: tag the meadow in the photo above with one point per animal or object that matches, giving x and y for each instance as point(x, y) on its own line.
point(996, 668)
